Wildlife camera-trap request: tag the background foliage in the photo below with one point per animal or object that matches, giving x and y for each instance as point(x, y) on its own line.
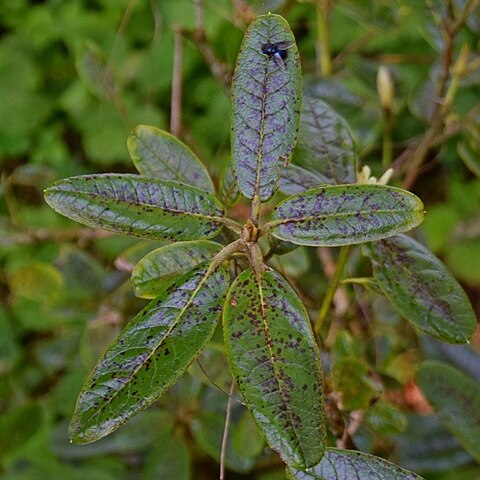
point(75, 78)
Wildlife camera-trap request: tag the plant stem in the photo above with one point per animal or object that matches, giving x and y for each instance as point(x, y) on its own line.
point(256, 204)
point(332, 288)
point(225, 432)
point(176, 109)
point(443, 96)
point(232, 225)
point(323, 37)
point(387, 150)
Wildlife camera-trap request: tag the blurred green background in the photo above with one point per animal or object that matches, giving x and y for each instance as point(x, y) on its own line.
point(75, 77)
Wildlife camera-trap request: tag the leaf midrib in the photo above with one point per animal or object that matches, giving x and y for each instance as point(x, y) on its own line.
point(259, 279)
point(275, 223)
point(173, 211)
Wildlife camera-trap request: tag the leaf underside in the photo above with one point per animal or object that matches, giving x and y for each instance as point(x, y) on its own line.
point(159, 154)
point(276, 364)
point(456, 399)
point(421, 289)
point(325, 144)
point(153, 350)
point(163, 266)
point(295, 179)
point(335, 215)
point(340, 464)
point(266, 102)
point(137, 205)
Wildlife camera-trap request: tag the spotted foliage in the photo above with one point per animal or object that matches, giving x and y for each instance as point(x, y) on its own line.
point(266, 101)
point(276, 364)
point(340, 464)
point(150, 354)
point(345, 215)
point(420, 287)
point(137, 205)
point(159, 154)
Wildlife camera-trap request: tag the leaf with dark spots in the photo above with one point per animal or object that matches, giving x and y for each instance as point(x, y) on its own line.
point(456, 399)
point(295, 179)
point(153, 350)
point(137, 205)
point(159, 154)
point(335, 215)
point(266, 102)
point(340, 464)
point(325, 144)
point(163, 266)
point(419, 286)
point(276, 365)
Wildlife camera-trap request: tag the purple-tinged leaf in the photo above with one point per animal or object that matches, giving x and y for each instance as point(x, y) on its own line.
point(325, 144)
point(456, 399)
point(137, 205)
point(153, 350)
point(266, 101)
point(335, 215)
point(163, 266)
point(276, 364)
point(159, 154)
point(340, 464)
point(295, 179)
point(420, 287)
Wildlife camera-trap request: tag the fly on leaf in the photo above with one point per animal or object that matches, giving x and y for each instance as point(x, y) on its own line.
point(277, 51)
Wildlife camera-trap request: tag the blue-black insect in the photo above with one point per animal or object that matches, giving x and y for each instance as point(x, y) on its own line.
point(277, 51)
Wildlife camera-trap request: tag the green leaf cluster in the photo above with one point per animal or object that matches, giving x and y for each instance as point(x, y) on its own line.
point(233, 313)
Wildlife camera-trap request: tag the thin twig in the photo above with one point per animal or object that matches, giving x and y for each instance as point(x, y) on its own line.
point(351, 48)
point(176, 108)
point(216, 385)
point(323, 37)
point(449, 28)
point(332, 287)
point(228, 414)
point(220, 70)
point(158, 23)
point(116, 97)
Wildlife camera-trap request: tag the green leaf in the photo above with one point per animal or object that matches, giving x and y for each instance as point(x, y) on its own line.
point(138, 435)
point(352, 382)
point(340, 464)
point(137, 205)
point(386, 419)
point(276, 364)
point(207, 429)
point(464, 357)
point(229, 192)
point(422, 290)
point(169, 459)
point(456, 399)
point(345, 215)
point(152, 351)
point(162, 267)
point(18, 426)
point(295, 179)
point(247, 440)
point(159, 154)
point(427, 446)
point(38, 281)
point(266, 100)
point(325, 144)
